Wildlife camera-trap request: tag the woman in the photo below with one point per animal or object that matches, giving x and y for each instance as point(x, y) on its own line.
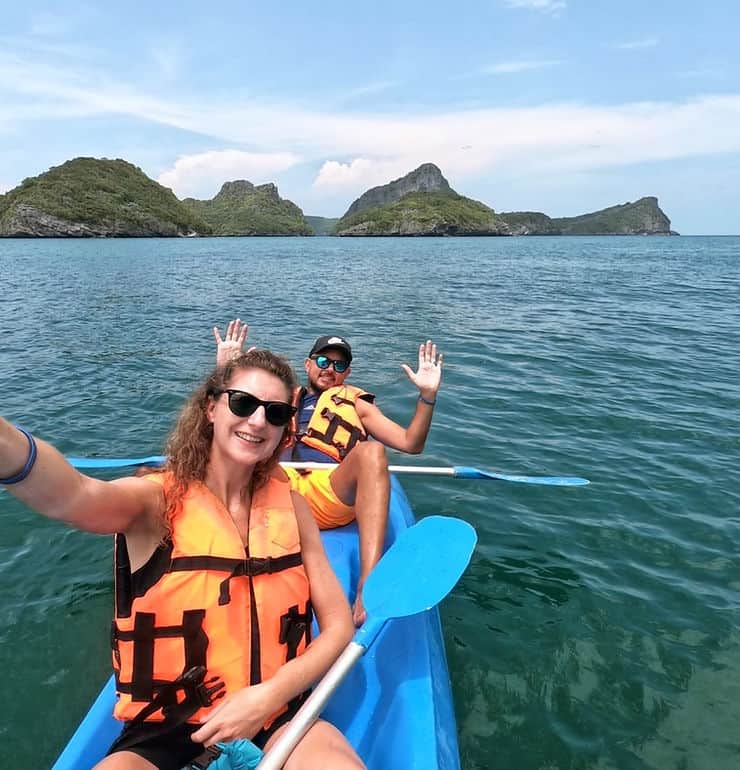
point(216, 561)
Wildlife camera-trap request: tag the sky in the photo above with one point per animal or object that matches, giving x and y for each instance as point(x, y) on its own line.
point(559, 106)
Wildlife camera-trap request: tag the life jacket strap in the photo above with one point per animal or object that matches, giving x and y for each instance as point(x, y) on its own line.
point(257, 565)
point(338, 400)
point(143, 635)
point(294, 627)
point(335, 422)
point(199, 693)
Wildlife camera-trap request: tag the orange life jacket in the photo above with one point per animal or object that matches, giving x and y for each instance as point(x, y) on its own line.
point(335, 427)
point(205, 600)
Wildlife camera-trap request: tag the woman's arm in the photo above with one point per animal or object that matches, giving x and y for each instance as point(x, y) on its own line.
point(58, 491)
point(244, 713)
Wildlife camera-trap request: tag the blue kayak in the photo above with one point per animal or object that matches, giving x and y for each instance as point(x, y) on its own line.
point(395, 706)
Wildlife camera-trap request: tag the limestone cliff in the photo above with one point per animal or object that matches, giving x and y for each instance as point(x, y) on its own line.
point(241, 208)
point(420, 203)
point(426, 178)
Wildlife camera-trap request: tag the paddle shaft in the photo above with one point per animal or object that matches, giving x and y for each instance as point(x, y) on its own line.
point(411, 561)
point(461, 472)
point(420, 469)
point(310, 711)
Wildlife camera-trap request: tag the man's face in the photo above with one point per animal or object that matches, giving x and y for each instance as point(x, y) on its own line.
point(320, 379)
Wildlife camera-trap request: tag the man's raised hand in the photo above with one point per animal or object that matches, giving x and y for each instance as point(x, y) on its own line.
point(429, 374)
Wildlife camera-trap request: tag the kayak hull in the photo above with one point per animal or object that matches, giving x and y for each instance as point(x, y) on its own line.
point(395, 706)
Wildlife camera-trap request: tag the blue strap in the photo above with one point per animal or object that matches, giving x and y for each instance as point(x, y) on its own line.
point(30, 461)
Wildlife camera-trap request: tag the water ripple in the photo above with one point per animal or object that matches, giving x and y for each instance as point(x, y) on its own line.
point(596, 627)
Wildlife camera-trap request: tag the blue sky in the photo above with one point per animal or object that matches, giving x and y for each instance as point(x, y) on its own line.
point(561, 106)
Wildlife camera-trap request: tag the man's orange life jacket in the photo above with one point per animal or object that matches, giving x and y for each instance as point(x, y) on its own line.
point(335, 427)
point(205, 600)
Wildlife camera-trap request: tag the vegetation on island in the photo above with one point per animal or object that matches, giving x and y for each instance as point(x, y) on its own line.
point(425, 213)
point(643, 217)
point(322, 225)
point(241, 208)
point(89, 197)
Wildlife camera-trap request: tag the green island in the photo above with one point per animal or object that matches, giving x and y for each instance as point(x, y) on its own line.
point(241, 208)
point(643, 217)
point(90, 197)
point(425, 213)
point(87, 197)
point(322, 225)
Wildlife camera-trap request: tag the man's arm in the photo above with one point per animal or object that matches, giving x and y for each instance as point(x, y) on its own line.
point(412, 438)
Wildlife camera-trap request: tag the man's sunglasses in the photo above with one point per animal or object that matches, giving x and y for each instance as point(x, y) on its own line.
point(244, 404)
point(324, 362)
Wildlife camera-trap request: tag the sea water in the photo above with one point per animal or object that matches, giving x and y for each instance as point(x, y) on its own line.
point(597, 627)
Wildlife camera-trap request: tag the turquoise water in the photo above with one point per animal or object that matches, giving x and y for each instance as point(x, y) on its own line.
point(597, 627)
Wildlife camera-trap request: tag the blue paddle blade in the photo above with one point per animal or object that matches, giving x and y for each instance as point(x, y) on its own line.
point(464, 472)
point(416, 572)
point(87, 463)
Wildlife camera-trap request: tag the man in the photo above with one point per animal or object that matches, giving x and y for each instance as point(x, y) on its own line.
point(333, 424)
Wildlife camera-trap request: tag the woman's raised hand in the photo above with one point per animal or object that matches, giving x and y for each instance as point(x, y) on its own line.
point(231, 344)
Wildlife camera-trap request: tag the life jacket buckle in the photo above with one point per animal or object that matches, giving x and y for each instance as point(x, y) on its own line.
point(198, 694)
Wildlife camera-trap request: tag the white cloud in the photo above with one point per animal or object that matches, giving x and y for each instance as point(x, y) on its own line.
point(358, 174)
point(364, 149)
point(202, 174)
point(537, 5)
point(637, 45)
point(519, 65)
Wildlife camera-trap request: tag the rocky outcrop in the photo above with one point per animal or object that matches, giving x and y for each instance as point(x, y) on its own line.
point(643, 217)
point(418, 204)
point(425, 214)
point(426, 178)
point(241, 208)
point(88, 197)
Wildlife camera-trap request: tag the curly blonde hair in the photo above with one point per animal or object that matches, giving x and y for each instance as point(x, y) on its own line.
point(189, 444)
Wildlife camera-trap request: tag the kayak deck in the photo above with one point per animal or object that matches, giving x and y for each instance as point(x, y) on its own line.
point(395, 706)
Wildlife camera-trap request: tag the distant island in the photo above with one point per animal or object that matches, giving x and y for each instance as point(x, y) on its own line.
point(90, 197)
point(87, 197)
point(241, 208)
point(643, 217)
point(420, 203)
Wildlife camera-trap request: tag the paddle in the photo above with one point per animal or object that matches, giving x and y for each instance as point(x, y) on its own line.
point(87, 463)
point(457, 471)
point(413, 562)
point(464, 472)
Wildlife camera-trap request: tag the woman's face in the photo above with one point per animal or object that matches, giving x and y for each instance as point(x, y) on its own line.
point(250, 439)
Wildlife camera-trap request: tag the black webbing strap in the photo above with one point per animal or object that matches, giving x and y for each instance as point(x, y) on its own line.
point(198, 694)
point(294, 627)
point(335, 422)
point(145, 632)
point(256, 565)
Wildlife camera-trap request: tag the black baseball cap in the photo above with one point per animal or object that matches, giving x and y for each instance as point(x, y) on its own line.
point(331, 341)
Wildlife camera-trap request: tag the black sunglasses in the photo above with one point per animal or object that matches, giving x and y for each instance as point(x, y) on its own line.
point(324, 362)
point(244, 404)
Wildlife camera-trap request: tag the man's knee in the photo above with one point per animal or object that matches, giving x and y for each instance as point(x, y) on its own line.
point(372, 453)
